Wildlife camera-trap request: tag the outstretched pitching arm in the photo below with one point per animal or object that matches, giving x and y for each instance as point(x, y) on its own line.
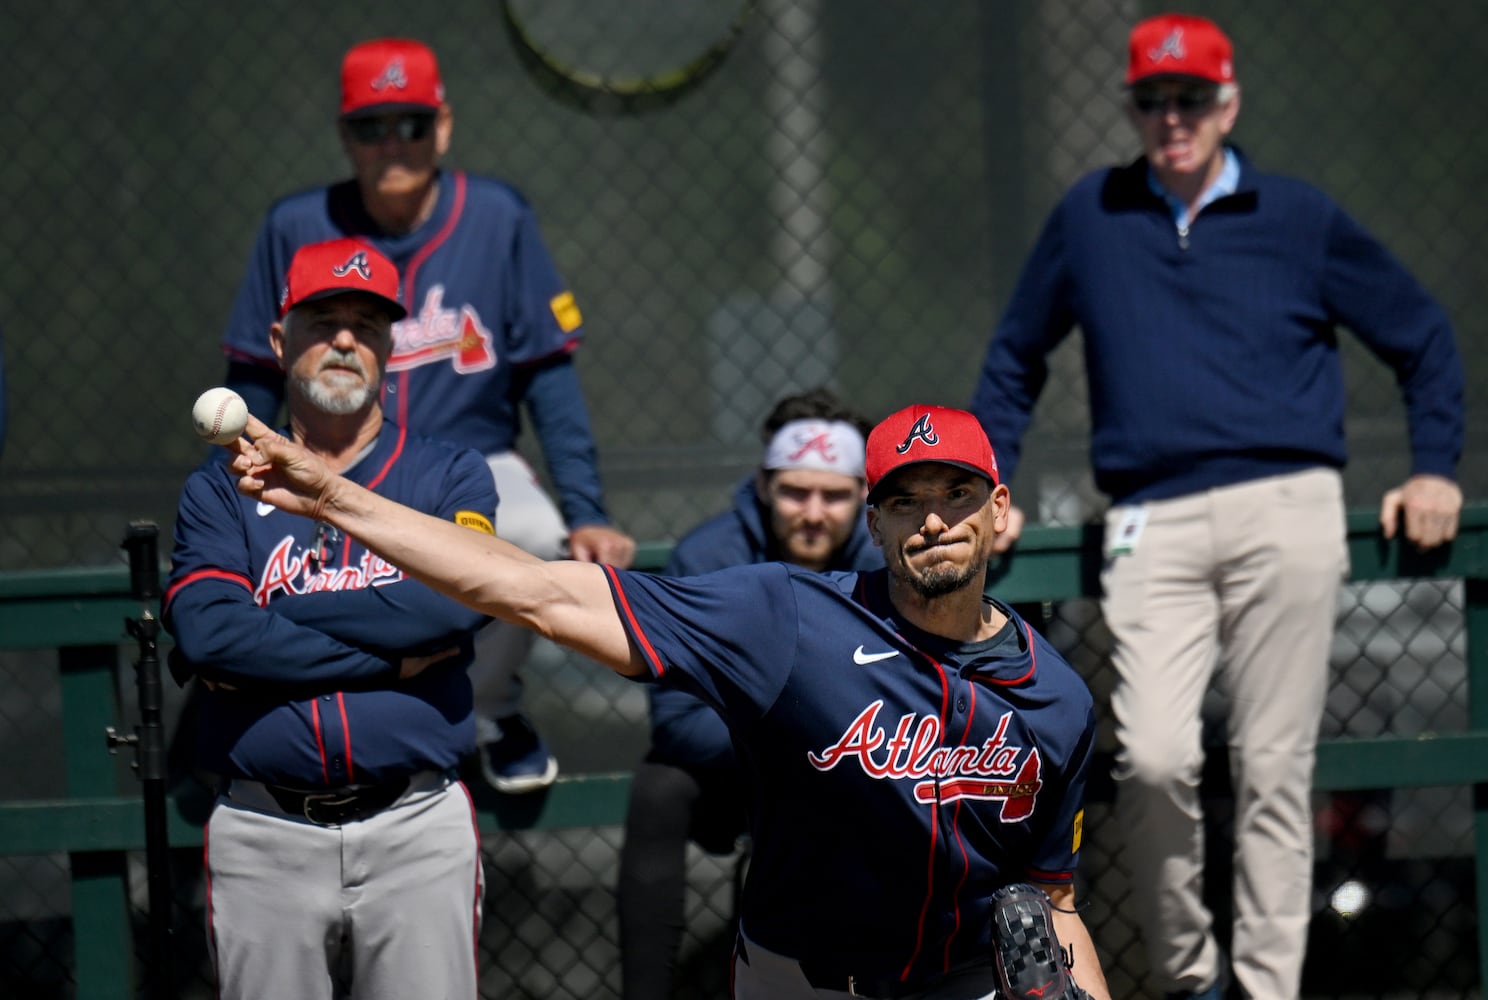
point(568, 602)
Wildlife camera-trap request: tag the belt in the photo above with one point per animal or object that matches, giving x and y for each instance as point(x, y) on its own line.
point(823, 976)
point(336, 806)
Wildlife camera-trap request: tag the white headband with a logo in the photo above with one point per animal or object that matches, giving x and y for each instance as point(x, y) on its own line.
point(829, 445)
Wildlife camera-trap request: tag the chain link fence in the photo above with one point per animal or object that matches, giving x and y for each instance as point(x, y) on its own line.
point(823, 190)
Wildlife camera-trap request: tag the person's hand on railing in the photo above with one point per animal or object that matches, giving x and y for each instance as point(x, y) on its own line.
point(1429, 506)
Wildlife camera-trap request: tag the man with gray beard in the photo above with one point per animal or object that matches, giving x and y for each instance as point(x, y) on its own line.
point(342, 857)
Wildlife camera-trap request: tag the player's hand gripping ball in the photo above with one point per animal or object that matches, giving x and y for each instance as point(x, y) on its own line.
point(219, 415)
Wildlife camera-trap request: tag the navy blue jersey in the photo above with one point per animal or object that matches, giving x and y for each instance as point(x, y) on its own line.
point(685, 732)
point(490, 325)
point(309, 629)
point(897, 784)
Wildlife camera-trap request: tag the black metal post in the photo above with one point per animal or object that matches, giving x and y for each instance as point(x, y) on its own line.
point(149, 747)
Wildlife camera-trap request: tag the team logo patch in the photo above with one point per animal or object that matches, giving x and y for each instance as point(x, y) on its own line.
point(566, 312)
point(356, 262)
point(1172, 47)
point(922, 430)
point(393, 75)
point(993, 770)
point(477, 521)
point(1079, 832)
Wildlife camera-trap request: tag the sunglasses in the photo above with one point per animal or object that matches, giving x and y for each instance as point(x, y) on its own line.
point(408, 128)
point(1150, 102)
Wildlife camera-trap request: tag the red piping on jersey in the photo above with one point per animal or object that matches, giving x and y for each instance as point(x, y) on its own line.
point(203, 574)
point(346, 736)
point(960, 843)
point(372, 484)
point(325, 772)
point(945, 700)
point(387, 466)
point(475, 895)
point(211, 921)
point(569, 347)
point(1032, 665)
point(647, 650)
point(410, 275)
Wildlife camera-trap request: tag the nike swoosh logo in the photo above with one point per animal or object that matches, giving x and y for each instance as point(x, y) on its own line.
point(862, 659)
point(265, 509)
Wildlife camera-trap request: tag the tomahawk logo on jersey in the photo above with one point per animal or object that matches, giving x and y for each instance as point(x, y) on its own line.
point(916, 750)
point(484, 299)
point(434, 335)
point(966, 763)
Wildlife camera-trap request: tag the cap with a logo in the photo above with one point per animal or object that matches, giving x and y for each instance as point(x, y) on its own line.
point(335, 267)
point(1180, 45)
point(388, 75)
point(928, 434)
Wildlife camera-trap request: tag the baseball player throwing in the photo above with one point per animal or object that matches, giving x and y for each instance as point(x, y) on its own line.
point(914, 746)
point(491, 328)
point(804, 505)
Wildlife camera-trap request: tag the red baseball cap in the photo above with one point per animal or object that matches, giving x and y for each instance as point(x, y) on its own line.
point(335, 267)
point(388, 75)
point(928, 434)
point(1180, 45)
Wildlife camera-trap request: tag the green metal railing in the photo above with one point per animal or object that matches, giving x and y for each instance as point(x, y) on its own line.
point(81, 614)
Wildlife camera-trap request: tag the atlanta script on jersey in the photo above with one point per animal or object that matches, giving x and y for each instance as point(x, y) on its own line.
point(490, 324)
point(897, 783)
point(308, 628)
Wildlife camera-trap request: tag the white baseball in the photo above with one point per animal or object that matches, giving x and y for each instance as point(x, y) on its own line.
point(219, 415)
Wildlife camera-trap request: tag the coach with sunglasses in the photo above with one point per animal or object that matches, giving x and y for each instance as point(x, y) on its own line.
point(1208, 294)
point(491, 332)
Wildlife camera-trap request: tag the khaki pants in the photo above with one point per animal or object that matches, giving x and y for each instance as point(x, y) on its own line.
point(1241, 581)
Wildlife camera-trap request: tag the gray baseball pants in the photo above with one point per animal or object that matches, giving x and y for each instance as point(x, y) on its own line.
point(383, 908)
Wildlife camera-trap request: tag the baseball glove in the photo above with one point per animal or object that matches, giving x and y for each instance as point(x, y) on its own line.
point(1031, 965)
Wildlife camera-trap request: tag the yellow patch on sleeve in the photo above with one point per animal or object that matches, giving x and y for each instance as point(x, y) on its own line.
point(471, 519)
point(566, 312)
point(1079, 831)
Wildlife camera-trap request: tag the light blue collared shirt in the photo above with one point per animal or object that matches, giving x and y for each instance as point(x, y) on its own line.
point(1226, 183)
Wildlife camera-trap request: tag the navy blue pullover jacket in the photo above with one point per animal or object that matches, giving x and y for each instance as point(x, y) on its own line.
point(1212, 358)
